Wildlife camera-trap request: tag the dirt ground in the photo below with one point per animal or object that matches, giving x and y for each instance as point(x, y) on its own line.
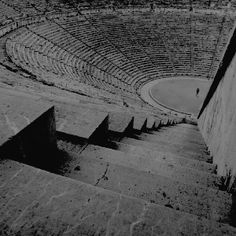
point(180, 94)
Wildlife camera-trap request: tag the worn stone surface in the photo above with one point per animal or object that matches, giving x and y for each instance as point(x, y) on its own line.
point(187, 139)
point(172, 159)
point(35, 202)
point(179, 135)
point(17, 111)
point(190, 126)
point(80, 122)
point(168, 148)
point(157, 123)
point(150, 122)
point(164, 121)
point(119, 122)
point(148, 186)
point(161, 138)
point(140, 122)
point(186, 131)
point(138, 162)
point(171, 140)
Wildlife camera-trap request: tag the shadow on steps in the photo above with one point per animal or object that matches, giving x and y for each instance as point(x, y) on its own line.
point(50, 158)
point(232, 214)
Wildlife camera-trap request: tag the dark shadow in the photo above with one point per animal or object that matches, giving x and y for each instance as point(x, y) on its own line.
point(49, 158)
point(232, 214)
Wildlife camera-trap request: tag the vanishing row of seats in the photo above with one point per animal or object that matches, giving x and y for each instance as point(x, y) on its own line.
point(198, 32)
point(147, 59)
point(41, 56)
point(66, 36)
point(90, 36)
point(61, 37)
point(189, 42)
point(154, 61)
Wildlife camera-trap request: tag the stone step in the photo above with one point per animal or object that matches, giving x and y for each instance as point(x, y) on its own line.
point(150, 122)
point(69, 144)
point(140, 122)
point(164, 121)
point(175, 172)
point(17, 111)
point(178, 129)
point(107, 108)
point(168, 148)
point(167, 157)
point(36, 202)
point(172, 140)
point(157, 124)
point(119, 122)
point(204, 202)
point(26, 125)
point(179, 137)
point(187, 133)
point(189, 126)
point(80, 122)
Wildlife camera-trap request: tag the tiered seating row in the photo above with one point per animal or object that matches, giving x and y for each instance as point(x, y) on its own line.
point(147, 58)
point(166, 43)
point(117, 52)
point(40, 56)
point(90, 36)
point(149, 41)
point(115, 30)
point(62, 38)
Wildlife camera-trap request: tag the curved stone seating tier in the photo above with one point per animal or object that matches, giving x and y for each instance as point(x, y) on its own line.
point(92, 37)
point(55, 60)
point(130, 49)
point(115, 51)
point(180, 34)
point(43, 67)
point(63, 38)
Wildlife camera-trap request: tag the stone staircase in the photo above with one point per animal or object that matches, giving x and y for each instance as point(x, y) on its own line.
point(119, 167)
point(116, 174)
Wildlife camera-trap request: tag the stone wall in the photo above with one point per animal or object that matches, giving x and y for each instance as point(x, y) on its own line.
point(217, 118)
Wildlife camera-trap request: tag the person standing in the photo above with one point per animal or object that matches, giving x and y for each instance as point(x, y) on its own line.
point(197, 92)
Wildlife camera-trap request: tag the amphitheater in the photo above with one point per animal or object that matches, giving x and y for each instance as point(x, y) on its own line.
point(85, 148)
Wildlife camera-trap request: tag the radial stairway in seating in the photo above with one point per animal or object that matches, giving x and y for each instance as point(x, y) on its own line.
point(110, 174)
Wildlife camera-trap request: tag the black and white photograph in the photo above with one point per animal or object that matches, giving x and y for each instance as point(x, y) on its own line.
point(117, 117)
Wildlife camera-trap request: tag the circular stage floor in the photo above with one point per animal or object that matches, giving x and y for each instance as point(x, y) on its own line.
point(180, 93)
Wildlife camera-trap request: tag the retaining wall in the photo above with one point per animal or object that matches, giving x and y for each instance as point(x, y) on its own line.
point(217, 118)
